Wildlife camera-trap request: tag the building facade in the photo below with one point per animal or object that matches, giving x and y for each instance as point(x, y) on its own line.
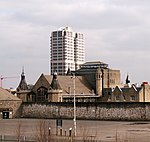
point(130, 93)
point(88, 84)
point(53, 88)
point(99, 76)
point(93, 86)
point(67, 50)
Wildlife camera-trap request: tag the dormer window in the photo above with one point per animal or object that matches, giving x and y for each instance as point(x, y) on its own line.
point(42, 95)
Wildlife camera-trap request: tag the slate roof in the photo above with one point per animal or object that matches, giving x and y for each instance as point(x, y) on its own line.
point(5, 95)
point(81, 85)
point(22, 85)
point(126, 89)
point(55, 83)
point(94, 64)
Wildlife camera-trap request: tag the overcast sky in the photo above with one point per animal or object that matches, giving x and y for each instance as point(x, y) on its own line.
point(116, 32)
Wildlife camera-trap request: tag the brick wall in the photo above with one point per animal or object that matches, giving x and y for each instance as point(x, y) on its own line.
point(96, 111)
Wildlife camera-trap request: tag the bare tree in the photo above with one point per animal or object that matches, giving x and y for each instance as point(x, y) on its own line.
point(43, 132)
point(18, 131)
point(88, 135)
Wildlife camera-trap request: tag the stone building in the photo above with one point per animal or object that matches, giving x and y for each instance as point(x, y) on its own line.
point(131, 94)
point(9, 105)
point(92, 83)
point(87, 84)
point(46, 90)
point(99, 76)
point(55, 88)
point(128, 93)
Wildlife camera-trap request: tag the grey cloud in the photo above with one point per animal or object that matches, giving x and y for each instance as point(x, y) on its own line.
point(116, 32)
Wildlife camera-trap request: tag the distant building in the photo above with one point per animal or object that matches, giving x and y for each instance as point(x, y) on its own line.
point(53, 88)
point(92, 83)
point(129, 93)
point(99, 76)
point(88, 84)
point(67, 50)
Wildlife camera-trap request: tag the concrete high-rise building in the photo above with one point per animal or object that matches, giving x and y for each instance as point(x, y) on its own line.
point(67, 50)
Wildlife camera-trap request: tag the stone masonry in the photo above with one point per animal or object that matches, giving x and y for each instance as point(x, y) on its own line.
point(92, 111)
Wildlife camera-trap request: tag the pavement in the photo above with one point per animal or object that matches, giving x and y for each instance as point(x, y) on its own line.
point(107, 131)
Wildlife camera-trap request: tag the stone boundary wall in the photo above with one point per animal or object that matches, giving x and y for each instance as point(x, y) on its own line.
point(90, 111)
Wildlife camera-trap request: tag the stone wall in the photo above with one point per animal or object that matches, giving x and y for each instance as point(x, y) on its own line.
point(95, 111)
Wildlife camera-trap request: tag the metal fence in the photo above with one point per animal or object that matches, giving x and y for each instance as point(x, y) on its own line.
point(12, 138)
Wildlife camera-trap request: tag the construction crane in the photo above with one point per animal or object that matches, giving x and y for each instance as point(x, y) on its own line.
point(2, 78)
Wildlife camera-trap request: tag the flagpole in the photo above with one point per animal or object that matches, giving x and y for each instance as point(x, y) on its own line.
point(74, 100)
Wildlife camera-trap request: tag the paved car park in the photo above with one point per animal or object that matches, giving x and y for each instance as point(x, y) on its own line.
point(100, 130)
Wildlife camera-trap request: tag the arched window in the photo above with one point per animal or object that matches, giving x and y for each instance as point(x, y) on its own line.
point(42, 95)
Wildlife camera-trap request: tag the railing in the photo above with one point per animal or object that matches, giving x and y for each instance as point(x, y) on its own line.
point(13, 138)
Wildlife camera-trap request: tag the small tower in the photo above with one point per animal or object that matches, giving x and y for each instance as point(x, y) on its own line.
point(22, 85)
point(127, 81)
point(55, 91)
point(55, 84)
point(99, 82)
point(22, 89)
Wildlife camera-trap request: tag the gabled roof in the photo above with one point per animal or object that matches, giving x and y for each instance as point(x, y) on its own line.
point(6, 96)
point(42, 81)
point(127, 89)
point(117, 88)
point(134, 87)
point(66, 82)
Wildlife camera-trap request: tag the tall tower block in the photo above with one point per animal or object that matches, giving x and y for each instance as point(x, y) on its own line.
point(67, 50)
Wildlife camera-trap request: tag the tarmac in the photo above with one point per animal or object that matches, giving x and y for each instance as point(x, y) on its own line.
point(107, 131)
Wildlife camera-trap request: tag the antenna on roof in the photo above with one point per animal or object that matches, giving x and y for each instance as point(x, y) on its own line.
point(22, 69)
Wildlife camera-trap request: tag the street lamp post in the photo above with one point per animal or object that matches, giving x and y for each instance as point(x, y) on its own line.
point(49, 131)
point(74, 100)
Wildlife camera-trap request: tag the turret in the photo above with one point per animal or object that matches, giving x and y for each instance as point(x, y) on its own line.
point(127, 81)
point(55, 84)
point(99, 86)
point(55, 91)
point(22, 85)
point(22, 89)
